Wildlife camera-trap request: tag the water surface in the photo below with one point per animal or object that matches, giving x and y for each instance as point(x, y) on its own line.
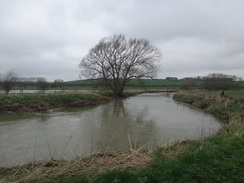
point(143, 120)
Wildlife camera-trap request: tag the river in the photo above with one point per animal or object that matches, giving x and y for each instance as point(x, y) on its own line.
point(144, 120)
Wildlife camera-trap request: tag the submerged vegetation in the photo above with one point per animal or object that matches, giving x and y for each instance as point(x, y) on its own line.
point(219, 158)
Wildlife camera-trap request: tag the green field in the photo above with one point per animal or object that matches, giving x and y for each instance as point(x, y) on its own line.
point(149, 83)
point(134, 83)
point(93, 84)
point(229, 93)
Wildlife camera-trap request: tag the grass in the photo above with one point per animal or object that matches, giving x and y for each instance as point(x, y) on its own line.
point(229, 93)
point(44, 102)
point(235, 93)
point(89, 167)
point(155, 83)
point(219, 158)
point(35, 98)
point(216, 159)
point(222, 107)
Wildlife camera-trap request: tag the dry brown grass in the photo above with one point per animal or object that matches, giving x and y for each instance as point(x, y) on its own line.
point(47, 170)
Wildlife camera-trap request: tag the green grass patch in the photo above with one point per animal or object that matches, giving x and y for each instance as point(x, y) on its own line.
point(235, 93)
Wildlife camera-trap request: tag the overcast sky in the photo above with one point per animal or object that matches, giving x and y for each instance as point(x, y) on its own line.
point(48, 38)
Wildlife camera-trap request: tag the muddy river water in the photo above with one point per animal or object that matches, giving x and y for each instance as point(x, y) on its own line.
point(144, 120)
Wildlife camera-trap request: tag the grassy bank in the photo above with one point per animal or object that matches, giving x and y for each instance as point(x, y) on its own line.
point(38, 102)
point(225, 107)
point(45, 102)
point(219, 158)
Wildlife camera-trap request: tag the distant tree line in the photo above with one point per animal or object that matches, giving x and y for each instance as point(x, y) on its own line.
point(171, 78)
point(219, 81)
point(11, 79)
point(214, 81)
point(198, 78)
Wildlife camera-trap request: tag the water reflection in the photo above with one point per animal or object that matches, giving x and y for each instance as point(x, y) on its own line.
point(121, 128)
point(119, 125)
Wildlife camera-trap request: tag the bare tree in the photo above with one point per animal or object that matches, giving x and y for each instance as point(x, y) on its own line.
point(8, 80)
point(42, 84)
point(59, 83)
point(116, 60)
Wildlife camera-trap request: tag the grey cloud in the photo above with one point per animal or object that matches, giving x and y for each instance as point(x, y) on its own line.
point(50, 37)
point(163, 20)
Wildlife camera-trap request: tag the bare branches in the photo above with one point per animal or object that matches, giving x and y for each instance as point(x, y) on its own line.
point(42, 84)
point(116, 60)
point(8, 80)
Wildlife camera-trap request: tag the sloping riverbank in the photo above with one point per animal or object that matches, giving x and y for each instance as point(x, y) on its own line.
point(47, 102)
point(223, 107)
point(219, 158)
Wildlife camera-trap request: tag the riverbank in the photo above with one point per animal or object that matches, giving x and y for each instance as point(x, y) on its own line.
point(225, 107)
point(42, 102)
point(219, 158)
point(48, 102)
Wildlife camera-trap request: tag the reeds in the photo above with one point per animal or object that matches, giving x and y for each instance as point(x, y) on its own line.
point(47, 170)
